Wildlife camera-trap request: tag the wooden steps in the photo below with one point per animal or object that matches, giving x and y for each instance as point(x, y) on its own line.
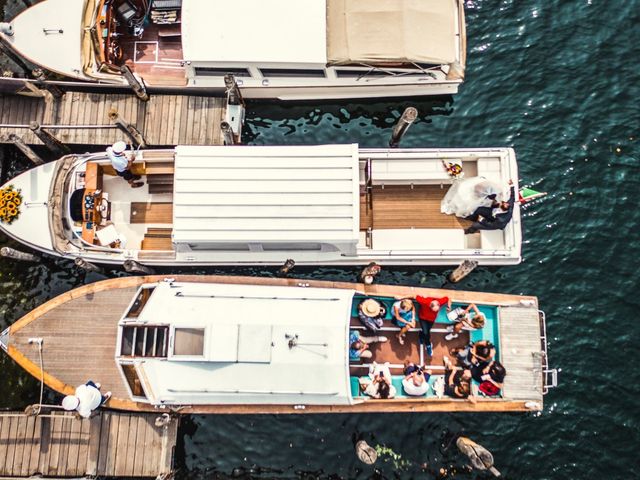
point(160, 183)
point(157, 239)
point(158, 168)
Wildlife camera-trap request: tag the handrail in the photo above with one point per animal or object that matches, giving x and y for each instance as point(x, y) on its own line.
point(549, 376)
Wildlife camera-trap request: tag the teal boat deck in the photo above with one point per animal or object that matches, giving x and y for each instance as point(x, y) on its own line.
point(513, 330)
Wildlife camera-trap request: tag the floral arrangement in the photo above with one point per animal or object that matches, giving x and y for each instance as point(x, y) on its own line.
point(10, 201)
point(453, 169)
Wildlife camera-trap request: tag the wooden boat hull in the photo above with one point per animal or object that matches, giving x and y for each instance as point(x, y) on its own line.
point(79, 328)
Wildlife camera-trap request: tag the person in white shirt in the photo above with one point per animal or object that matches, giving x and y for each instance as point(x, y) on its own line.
point(122, 165)
point(416, 380)
point(86, 399)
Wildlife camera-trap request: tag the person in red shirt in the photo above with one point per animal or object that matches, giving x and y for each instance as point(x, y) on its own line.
point(427, 313)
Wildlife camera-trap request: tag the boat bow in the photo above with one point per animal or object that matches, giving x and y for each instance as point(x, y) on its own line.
point(31, 224)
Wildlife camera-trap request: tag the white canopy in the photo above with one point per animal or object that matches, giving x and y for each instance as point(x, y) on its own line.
point(247, 357)
point(387, 31)
point(279, 197)
point(254, 31)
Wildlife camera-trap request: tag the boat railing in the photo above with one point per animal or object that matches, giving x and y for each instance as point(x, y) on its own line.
point(549, 375)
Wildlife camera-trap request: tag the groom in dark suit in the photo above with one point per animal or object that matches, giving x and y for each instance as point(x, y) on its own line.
point(496, 217)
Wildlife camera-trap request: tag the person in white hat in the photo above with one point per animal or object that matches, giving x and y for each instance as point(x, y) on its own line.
point(86, 399)
point(122, 165)
point(371, 314)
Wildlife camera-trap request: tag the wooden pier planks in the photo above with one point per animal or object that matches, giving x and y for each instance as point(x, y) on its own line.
point(109, 444)
point(163, 120)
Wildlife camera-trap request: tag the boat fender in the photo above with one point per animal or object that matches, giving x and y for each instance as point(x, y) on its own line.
point(6, 28)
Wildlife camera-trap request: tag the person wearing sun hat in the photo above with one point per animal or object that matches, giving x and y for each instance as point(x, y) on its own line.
point(122, 165)
point(371, 314)
point(86, 399)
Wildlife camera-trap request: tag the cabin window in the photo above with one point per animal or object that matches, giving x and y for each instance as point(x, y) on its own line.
point(292, 72)
point(272, 247)
point(343, 73)
point(221, 72)
point(189, 342)
point(140, 302)
point(133, 380)
point(232, 247)
point(144, 341)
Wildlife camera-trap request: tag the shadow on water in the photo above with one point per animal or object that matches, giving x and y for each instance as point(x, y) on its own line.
point(337, 122)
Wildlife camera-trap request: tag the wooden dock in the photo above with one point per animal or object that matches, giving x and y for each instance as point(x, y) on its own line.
point(83, 118)
point(109, 444)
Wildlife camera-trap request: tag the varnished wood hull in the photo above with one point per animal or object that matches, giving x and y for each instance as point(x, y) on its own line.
point(79, 330)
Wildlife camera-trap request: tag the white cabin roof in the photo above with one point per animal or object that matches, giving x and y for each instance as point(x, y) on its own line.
point(254, 31)
point(247, 358)
point(268, 195)
point(50, 34)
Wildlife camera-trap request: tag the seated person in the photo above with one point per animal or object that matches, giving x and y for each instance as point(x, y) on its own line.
point(371, 313)
point(404, 316)
point(476, 354)
point(492, 379)
point(380, 385)
point(416, 380)
point(457, 383)
point(359, 345)
point(463, 318)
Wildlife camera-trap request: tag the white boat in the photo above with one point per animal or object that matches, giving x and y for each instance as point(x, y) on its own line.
point(260, 205)
point(275, 49)
point(198, 344)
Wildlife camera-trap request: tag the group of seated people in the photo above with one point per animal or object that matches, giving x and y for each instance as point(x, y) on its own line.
point(475, 361)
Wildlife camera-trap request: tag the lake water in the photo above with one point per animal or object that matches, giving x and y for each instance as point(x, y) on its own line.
point(560, 82)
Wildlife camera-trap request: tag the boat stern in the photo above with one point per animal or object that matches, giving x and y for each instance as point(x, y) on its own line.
point(24, 212)
point(50, 34)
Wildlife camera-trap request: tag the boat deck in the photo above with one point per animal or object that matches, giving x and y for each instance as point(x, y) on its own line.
point(77, 333)
point(79, 329)
point(408, 206)
point(521, 327)
point(157, 56)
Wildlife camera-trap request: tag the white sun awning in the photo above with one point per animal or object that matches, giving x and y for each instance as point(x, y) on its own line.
point(287, 196)
point(257, 344)
point(389, 31)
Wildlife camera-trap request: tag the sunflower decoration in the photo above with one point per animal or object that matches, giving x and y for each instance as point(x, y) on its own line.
point(10, 201)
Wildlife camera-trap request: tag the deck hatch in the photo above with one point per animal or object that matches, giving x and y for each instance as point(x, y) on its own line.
point(188, 342)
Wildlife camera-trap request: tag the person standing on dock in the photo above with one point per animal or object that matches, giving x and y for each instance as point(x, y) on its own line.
point(86, 399)
point(122, 165)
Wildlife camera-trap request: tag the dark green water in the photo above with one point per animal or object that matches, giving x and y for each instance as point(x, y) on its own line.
point(560, 82)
